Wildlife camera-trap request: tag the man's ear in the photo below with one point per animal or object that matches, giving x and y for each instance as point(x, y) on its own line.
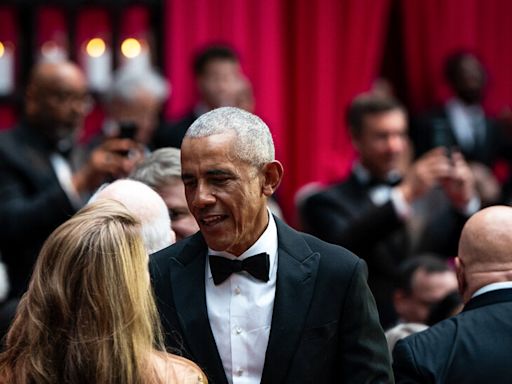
point(272, 176)
point(461, 278)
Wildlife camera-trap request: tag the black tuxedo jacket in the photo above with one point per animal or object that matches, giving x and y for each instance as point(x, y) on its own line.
point(344, 214)
point(32, 202)
point(324, 327)
point(473, 347)
point(493, 146)
point(171, 134)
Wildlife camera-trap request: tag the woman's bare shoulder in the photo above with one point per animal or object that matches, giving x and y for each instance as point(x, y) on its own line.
point(177, 369)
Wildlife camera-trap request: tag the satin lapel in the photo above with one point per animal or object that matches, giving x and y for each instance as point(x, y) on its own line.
point(296, 275)
point(188, 286)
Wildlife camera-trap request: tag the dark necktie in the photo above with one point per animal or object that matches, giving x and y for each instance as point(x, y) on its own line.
point(222, 267)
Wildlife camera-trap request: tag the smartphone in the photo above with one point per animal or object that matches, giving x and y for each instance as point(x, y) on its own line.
point(127, 130)
point(442, 136)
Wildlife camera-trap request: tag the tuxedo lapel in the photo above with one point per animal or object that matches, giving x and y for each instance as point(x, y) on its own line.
point(188, 286)
point(489, 298)
point(296, 275)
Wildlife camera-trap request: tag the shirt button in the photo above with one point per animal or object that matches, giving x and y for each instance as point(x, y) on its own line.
point(238, 330)
point(239, 372)
point(237, 291)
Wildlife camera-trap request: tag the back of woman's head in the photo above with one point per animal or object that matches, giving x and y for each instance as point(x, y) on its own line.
point(88, 315)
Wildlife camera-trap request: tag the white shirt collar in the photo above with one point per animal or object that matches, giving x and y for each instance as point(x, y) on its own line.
point(364, 175)
point(267, 242)
point(492, 287)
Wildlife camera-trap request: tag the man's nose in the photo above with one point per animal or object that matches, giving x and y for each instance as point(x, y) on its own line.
point(203, 195)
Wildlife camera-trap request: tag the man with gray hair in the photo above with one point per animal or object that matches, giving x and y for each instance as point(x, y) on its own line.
point(133, 102)
point(161, 170)
point(146, 205)
point(248, 298)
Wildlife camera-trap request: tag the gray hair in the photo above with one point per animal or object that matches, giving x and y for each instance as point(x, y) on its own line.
point(159, 169)
point(254, 141)
point(146, 205)
point(129, 80)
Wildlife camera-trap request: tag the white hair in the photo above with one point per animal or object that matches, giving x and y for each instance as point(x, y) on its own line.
point(254, 142)
point(129, 80)
point(159, 169)
point(147, 206)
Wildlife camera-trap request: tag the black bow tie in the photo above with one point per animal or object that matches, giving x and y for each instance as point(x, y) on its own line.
point(258, 266)
point(390, 181)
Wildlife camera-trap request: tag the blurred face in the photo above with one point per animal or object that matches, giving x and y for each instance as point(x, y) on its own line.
point(219, 84)
point(225, 195)
point(382, 143)
point(427, 289)
point(58, 101)
point(142, 110)
point(182, 221)
point(469, 81)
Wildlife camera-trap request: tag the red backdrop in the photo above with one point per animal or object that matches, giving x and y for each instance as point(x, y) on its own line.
point(432, 29)
point(306, 59)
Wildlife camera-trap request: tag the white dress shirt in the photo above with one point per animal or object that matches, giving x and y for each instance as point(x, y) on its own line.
point(468, 123)
point(240, 312)
point(64, 174)
point(492, 287)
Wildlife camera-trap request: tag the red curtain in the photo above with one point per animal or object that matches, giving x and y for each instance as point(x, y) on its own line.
point(433, 29)
point(306, 60)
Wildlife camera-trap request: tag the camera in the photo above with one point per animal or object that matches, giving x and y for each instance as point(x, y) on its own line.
point(127, 130)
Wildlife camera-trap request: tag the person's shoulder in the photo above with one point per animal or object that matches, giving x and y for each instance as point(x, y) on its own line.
point(429, 342)
point(330, 194)
point(331, 254)
point(170, 251)
point(176, 369)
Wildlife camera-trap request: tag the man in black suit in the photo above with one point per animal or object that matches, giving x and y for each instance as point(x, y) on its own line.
point(39, 187)
point(248, 298)
point(218, 77)
point(462, 122)
point(388, 210)
point(475, 345)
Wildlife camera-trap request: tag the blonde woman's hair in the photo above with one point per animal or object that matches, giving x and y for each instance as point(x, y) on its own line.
point(89, 314)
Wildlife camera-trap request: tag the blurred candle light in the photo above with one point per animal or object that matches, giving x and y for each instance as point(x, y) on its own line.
point(131, 48)
point(6, 68)
point(98, 63)
point(95, 47)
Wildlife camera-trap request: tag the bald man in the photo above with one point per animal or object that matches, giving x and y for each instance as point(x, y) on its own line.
point(147, 206)
point(39, 187)
point(474, 346)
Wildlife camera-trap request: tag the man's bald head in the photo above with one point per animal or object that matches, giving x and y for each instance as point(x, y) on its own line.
point(484, 248)
point(147, 206)
point(57, 98)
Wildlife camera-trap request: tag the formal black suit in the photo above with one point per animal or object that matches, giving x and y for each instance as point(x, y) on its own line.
point(472, 347)
point(486, 150)
point(324, 327)
point(344, 214)
point(32, 202)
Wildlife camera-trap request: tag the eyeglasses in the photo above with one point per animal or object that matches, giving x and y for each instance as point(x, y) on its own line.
point(62, 97)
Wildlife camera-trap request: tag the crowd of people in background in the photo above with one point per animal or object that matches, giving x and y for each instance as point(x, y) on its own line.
point(405, 258)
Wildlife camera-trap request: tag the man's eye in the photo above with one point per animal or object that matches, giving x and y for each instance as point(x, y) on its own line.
point(189, 183)
point(174, 215)
point(221, 180)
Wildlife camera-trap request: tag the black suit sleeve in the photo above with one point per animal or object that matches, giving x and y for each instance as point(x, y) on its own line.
point(37, 213)
point(363, 350)
point(349, 223)
point(404, 365)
